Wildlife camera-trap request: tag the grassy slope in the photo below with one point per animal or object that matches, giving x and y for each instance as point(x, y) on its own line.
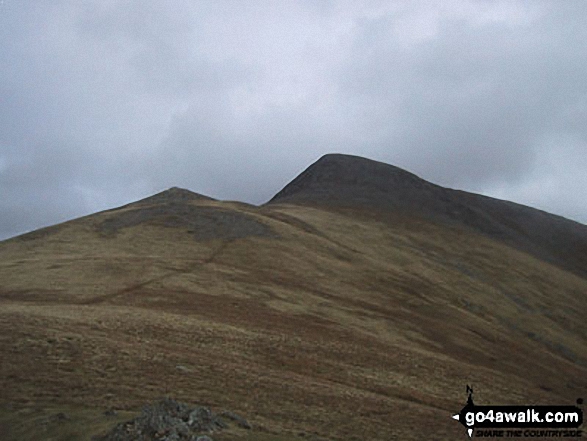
point(342, 327)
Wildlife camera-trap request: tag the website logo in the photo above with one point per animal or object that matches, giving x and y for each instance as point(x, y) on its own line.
point(520, 421)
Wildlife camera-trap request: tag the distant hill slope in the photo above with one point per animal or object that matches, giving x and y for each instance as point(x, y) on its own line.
point(356, 183)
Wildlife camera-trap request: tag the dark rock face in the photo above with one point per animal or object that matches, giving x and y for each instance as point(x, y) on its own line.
point(351, 182)
point(170, 420)
point(178, 208)
point(204, 223)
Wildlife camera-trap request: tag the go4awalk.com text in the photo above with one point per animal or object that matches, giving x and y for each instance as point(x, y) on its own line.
point(531, 421)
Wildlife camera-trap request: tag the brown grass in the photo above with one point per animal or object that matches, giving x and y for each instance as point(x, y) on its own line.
point(342, 327)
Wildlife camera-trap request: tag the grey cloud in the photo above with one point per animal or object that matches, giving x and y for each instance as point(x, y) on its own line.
point(468, 107)
point(106, 102)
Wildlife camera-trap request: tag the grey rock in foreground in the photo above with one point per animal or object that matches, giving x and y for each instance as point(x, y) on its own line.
point(170, 420)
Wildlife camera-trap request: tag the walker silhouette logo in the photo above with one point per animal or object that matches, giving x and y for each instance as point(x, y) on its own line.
point(520, 421)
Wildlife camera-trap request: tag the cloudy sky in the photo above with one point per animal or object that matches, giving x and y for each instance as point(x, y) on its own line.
point(105, 102)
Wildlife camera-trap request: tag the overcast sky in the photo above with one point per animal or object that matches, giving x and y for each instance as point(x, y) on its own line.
point(105, 102)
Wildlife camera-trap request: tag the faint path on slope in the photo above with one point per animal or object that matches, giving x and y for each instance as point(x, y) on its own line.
point(137, 286)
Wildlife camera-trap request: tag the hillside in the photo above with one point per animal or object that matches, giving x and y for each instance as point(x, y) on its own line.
point(355, 183)
point(357, 304)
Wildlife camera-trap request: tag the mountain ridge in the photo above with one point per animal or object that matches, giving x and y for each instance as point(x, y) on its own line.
point(314, 322)
point(351, 182)
point(366, 187)
point(363, 186)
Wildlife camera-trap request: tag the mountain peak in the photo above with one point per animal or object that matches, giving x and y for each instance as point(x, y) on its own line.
point(366, 186)
point(350, 180)
point(173, 195)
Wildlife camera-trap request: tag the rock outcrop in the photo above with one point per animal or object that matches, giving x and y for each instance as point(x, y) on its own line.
point(170, 420)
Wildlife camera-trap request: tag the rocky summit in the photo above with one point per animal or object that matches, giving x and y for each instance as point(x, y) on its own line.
point(375, 188)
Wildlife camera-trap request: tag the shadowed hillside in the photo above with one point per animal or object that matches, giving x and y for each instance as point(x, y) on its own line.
point(357, 304)
point(344, 181)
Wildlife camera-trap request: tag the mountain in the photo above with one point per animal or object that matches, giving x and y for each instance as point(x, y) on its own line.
point(357, 304)
point(357, 183)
